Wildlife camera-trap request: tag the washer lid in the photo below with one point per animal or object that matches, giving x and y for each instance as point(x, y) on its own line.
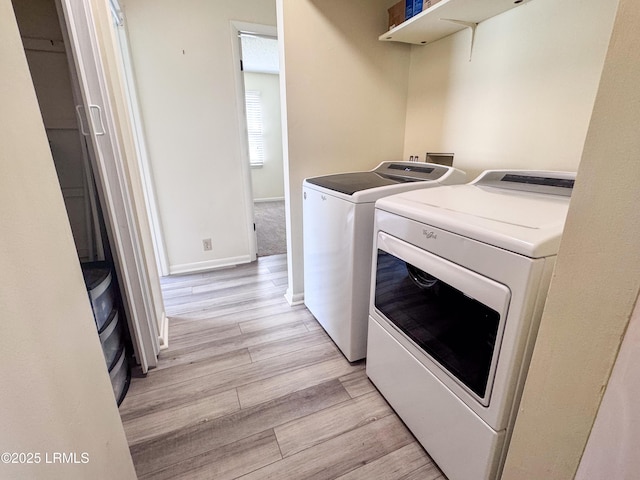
point(351, 183)
point(387, 173)
point(520, 220)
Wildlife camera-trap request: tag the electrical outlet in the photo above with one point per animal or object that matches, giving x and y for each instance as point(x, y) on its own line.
point(206, 244)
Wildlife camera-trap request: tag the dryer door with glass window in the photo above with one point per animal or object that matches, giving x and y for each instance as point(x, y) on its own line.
point(453, 316)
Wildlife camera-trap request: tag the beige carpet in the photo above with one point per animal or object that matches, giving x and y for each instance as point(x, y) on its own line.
point(270, 228)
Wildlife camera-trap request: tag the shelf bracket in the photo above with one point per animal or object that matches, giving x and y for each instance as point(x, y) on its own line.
point(471, 25)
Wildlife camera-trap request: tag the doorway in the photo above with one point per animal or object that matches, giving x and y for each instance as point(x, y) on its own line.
point(261, 86)
point(65, 122)
point(61, 47)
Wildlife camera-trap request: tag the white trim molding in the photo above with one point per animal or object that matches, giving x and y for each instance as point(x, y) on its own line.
point(163, 336)
point(197, 267)
point(265, 200)
point(293, 299)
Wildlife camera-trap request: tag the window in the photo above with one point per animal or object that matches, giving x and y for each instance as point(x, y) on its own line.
point(253, 100)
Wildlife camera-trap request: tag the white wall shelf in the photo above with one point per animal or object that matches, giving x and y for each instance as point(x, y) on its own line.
point(431, 25)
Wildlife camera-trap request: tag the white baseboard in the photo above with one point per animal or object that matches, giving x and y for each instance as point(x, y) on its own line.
point(294, 298)
point(208, 265)
point(163, 332)
point(264, 200)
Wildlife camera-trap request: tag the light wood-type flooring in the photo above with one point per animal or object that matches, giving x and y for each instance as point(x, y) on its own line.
point(251, 388)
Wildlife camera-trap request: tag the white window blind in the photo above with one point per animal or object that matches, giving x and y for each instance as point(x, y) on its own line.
point(255, 129)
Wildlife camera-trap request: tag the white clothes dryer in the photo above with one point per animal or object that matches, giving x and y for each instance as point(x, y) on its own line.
point(338, 240)
point(459, 281)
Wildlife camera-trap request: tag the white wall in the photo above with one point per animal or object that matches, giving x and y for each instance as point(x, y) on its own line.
point(525, 98)
point(612, 449)
point(56, 395)
point(268, 180)
point(345, 98)
point(182, 56)
point(596, 279)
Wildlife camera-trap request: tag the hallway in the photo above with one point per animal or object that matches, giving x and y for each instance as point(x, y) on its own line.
point(251, 388)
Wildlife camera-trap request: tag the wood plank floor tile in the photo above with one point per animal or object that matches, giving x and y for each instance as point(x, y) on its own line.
point(298, 343)
point(162, 378)
point(278, 268)
point(428, 472)
point(146, 427)
point(247, 377)
point(221, 286)
point(179, 352)
point(178, 281)
point(312, 324)
point(356, 383)
point(174, 447)
point(329, 423)
point(278, 385)
point(298, 315)
point(221, 279)
point(231, 315)
point(283, 281)
point(191, 388)
point(220, 290)
point(397, 464)
point(236, 301)
point(243, 270)
point(224, 463)
point(178, 340)
point(177, 292)
point(339, 455)
point(222, 295)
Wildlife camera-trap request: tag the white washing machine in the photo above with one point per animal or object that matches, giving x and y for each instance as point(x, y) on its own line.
point(338, 238)
point(459, 281)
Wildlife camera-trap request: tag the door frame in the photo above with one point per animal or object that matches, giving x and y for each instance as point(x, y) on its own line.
point(122, 35)
point(112, 182)
point(236, 48)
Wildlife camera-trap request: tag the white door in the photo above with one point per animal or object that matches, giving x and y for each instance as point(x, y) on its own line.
point(97, 123)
